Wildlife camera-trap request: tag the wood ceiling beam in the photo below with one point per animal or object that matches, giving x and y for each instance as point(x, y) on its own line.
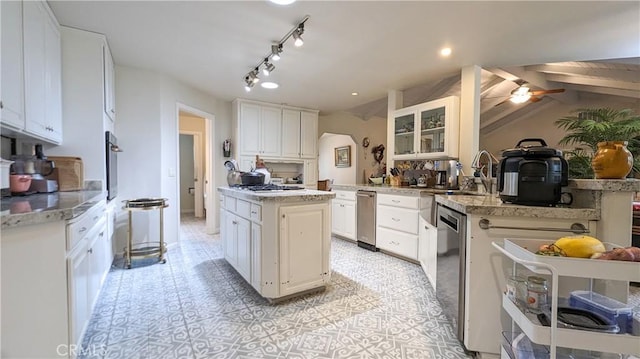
point(605, 91)
point(588, 81)
point(630, 74)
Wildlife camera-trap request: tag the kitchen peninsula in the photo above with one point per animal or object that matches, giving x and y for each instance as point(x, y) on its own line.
point(278, 241)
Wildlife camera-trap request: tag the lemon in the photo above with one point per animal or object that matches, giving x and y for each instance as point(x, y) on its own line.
point(580, 246)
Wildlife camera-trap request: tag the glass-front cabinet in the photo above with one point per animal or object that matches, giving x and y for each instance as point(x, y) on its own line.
point(426, 131)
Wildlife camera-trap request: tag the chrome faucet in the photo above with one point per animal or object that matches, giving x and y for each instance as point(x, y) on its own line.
point(475, 164)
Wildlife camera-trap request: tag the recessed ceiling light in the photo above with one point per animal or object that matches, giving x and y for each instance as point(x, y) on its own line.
point(269, 85)
point(354, 94)
point(445, 51)
point(283, 2)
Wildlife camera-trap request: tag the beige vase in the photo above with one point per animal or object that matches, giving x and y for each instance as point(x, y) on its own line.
point(612, 160)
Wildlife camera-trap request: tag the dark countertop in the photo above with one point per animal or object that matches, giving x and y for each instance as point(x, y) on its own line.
point(40, 208)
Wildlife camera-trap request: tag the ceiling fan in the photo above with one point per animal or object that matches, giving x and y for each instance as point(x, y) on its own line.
point(524, 93)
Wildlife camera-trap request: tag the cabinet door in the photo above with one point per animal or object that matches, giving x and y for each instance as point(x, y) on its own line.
point(404, 132)
point(230, 239)
point(249, 129)
point(427, 250)
point(401, 243)
point(53, 75)
point(78, 269)
point(308, 134)
point(290, 133)
point(271, 131)
point(349, 214)
point(243, 238)
point(337, 217)
point(108, 74)
point(256, 256)
point(34, 67)
point(305, 234)
point(12, 75)
point(438, 128)
point(311, 173)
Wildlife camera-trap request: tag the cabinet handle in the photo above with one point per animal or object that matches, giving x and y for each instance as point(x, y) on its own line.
point(96, 217)
point(90, 250)
point(254, 212)
point(395, 201)
point(1, 105)
point(234, 222)
point(112, 111)
point(101, 234)
point(576, 228)
point(395, 219)
point(82, 230)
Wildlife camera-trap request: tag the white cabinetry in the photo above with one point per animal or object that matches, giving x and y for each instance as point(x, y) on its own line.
point(397, 219)
point(83, 100)
point(108, 74)
point(425, 131)
point(310, 173)
point(427, 249)
point(299, 133)
point(344, 214)
point(238, 235)
point(42, 72)
point(304, 248)
point(258, 128)
point(12, 76)
point(572, 267)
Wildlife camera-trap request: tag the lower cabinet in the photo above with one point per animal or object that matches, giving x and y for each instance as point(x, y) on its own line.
point(237, 233)
point(256, 255)
point(344, 218)
point(427, 250)
point(397, 222)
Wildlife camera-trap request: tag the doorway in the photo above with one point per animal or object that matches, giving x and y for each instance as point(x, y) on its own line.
point(195, 154)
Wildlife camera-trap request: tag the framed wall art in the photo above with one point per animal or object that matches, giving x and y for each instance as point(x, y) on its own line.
point(343, 156)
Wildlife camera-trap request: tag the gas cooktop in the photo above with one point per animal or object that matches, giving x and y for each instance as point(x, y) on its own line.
point(265, 187)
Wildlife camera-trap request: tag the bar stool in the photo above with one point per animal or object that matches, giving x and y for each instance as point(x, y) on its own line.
point(145, 249)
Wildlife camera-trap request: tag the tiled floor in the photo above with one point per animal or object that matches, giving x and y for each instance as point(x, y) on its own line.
point(197, 306)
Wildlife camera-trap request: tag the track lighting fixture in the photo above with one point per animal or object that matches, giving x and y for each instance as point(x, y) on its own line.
point(297, 35)
point(251, 78)
point(275, 52)
point(268, 67)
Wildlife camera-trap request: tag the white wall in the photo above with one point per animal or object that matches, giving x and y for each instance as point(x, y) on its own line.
point(147, 130)
point(540, 124)
point(343, 123)
point(326, 159)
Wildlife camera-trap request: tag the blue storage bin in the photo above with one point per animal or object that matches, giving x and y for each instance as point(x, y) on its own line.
point(609, 308)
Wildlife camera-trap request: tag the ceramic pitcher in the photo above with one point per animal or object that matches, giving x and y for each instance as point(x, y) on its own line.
point(612, 160)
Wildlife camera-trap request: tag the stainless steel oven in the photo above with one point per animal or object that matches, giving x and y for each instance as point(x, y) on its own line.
point(111, 150)
point(450, 266)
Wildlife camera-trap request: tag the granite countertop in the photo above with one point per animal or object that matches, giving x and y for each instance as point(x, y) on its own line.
point(618, 185)
point(384, 188)
point(279, 196)
point(490, 205)
point(46, 207)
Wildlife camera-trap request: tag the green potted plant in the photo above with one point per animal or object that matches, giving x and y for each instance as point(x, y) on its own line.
point(588, 127)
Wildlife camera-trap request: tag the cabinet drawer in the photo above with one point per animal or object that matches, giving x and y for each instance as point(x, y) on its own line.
point(256, 212)
point(79, 227)
point(399, 201)
point(230, 203)
point(400, 219)
point(399, 243)
point(243, 208)
point(346, 195)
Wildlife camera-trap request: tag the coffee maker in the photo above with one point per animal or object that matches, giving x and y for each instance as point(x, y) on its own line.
point(446, 174)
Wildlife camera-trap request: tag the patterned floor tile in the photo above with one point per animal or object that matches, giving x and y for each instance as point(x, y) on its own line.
point(197, 306)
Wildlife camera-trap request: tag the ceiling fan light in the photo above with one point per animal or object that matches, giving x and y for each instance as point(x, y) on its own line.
point(520, 97)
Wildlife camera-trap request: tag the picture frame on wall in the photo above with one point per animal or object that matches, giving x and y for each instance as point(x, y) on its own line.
point(343, 156)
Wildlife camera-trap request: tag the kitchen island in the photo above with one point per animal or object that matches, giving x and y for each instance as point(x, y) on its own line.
point(278, 241)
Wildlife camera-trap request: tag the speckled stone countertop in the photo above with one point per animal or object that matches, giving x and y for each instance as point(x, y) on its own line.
point(46, 207)
point(621, 185)
point(490, 205)
point(299, 195)
point(410, 191)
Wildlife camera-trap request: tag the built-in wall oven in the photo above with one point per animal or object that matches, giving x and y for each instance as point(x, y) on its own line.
point(450, 266)
point(111, 151)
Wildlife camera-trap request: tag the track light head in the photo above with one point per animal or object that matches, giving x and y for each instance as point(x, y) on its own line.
point(297, 35)
point(248, 83)
point(268, 67)
point(275, 52)
point(254, 76)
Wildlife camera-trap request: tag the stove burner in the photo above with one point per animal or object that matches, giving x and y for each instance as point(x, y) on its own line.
point(265, 187)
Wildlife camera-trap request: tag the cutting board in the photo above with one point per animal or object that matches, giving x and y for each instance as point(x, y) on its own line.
point(69, 172)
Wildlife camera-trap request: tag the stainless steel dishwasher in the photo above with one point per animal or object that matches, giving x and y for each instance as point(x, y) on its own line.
point(450, 266)
point(366, 219)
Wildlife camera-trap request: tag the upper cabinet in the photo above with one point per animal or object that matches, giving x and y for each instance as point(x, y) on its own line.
point(42, 72)
point(425, 131)
point(108, 80)
point(12, 77)
point(31, 71)
point(258, 129)
point(299, 133)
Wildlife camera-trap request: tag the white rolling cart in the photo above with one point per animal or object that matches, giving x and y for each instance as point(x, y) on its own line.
point(552, 336)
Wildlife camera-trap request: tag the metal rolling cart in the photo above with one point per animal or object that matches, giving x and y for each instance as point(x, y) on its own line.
point(145, 249)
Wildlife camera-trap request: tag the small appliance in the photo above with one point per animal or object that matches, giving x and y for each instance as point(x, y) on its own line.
point(446, 174)
point(532, 175)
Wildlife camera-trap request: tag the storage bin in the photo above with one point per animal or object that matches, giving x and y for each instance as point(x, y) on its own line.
point(609, 308)
point(518, 346)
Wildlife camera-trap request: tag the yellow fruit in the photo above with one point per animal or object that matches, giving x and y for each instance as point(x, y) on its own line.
point(580, 246)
